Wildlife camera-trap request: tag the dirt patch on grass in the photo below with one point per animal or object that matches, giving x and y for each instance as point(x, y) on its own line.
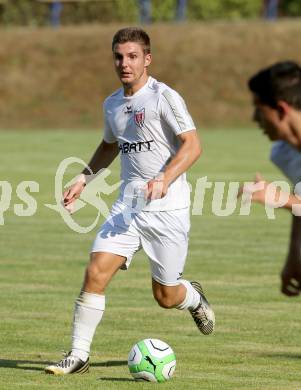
point(59, 78)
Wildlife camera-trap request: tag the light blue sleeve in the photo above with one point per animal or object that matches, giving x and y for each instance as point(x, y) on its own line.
point(288, 160)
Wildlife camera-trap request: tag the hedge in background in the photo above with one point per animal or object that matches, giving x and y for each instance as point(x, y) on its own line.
point(32, 12)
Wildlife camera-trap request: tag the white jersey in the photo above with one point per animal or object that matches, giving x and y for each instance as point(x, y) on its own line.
point(146, 126)
point(288, 160)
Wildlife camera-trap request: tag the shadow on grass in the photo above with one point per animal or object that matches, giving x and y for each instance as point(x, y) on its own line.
point(282, 355)
point(23, 364)
point(115, 379)
point(110, 363)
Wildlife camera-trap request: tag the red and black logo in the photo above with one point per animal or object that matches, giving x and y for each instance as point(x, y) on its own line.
point(139, 116)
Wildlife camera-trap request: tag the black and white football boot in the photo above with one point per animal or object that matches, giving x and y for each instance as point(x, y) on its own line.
point(203, 315)
point(68, 365)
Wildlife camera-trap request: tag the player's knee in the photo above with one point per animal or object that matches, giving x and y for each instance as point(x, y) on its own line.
point(93, 274)
point(92, 270)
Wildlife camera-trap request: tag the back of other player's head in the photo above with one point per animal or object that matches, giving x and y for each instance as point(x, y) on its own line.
point(281, 81)
point(132, 34)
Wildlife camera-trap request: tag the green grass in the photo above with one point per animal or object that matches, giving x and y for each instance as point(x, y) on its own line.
point(256, 344)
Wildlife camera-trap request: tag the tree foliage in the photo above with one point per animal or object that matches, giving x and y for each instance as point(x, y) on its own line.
point(290, 7)
point(33, 12)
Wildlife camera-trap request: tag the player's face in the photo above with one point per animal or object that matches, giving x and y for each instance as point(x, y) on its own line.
point(269, 120)
point(130, 62)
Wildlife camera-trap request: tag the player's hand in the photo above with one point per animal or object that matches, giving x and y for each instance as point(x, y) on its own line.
point(256, 190)
point(72, 193)
point(261, 191)
point(156, 188)
point(291, 275)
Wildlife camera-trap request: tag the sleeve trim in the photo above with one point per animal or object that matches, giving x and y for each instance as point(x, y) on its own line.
point(177, 114)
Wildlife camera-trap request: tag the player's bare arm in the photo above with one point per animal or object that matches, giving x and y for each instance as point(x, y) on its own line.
point(291, 272)
point(263, 192)
point(102, 158)
point(188, 153)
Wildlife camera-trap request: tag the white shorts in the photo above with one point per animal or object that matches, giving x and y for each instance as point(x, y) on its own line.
point(162, 234)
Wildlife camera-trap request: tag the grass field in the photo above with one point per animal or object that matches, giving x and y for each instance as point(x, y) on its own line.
point(257, 343)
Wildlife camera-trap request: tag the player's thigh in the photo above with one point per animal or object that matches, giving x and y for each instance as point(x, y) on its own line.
point(166, 244)
point(118, 237)
point(167, 260)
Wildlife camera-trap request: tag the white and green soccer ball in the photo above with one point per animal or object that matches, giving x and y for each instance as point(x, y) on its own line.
point(152, 360)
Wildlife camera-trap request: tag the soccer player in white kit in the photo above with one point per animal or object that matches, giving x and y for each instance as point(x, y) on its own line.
point(148, 124)
point(277, 100)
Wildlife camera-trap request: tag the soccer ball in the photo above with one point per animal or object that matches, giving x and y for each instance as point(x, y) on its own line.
point(151, 360)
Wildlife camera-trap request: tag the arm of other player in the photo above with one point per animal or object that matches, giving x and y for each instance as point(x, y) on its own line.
point(291, 272)
point(188, 153)
point(268, 194)
point(102, 158)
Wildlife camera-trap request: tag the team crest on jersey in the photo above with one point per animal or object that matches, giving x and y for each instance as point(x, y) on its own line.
point(139, 116)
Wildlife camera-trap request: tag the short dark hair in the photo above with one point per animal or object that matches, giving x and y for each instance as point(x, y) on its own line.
point(132, 34)
point(281, 81)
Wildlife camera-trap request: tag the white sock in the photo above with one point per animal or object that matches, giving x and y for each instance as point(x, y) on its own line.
point(192, 298)
point(88, 312)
